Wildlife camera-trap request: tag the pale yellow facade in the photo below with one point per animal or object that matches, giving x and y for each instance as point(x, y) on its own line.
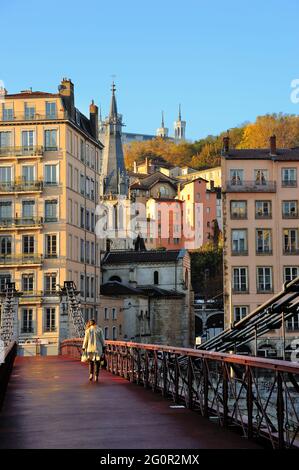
point(210, 174)
point(49, 185)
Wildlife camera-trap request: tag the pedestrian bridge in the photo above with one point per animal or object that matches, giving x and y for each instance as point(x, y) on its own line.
point(149, 397)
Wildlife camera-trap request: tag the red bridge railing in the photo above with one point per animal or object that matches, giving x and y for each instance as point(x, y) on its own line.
point(258, 396)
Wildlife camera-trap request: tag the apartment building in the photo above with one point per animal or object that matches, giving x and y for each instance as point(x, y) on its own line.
point(49, 183)
point(261, 232)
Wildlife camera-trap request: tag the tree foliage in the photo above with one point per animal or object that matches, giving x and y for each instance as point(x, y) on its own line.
point(206, 153)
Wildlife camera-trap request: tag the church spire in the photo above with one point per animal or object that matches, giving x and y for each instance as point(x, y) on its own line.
point(180, 115)
point(162, 122)
point(113, 106)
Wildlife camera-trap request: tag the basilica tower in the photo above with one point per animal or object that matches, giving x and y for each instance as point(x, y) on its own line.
point(180, 127)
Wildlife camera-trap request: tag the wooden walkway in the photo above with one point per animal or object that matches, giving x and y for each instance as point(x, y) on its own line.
point(51, 404)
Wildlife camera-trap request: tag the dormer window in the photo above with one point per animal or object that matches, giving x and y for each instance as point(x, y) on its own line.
point(51, 111)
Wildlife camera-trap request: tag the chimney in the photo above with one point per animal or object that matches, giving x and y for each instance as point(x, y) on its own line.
point(273, 145)
point(225, 147)
point(94, 118)
point(66, 90)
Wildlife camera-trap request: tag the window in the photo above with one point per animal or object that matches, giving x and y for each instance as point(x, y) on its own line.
point(51, 111)
point(92, 224)
point(238, 210)
point(5, 245)
point(50, 325)
point(51, 246)
point(51, 175)
point(240, 279)
point(28, 138)
point(5, 177)
point(7, 114)
point(51, 140)
point(290, 273)
point(28, 173)
point(106, 332)
point(260, 177)
point(28, 209)
point(82, 184)
point(289, 177)
point(240, 312)
point(87, 252)
point(5, 210)
point(5, 139)
point(87, 218)
point(27, 282)
point(82, 217)
point(114, 313)
point(82, 150)
point(156, 277)
point(82, 256)
point(27, 320)
point(87, 287)
point(92, 290)
point(289, 209)
point(29, 111)
point(92, 253)
point(236, 177)
point(28, 244)
point(263, 209)
point(92, 194)
point(4, 279)
point(292, 324)
point(239, 242)
point(82, 285)
point(290, 241)
point(106, 313)
point(264, 279)
point(50, 283)
point(51, 210)
point(87, 187)
point(114, 333)
point(264, 241)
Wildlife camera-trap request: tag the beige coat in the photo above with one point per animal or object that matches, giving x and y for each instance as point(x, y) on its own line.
point(94, 342)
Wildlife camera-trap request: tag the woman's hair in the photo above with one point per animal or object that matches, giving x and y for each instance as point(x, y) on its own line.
point(87, 325)
point(92, 322)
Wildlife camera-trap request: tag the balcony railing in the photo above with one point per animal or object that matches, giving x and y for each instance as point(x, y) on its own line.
point(21, 259)
point(235, 216)
point(21, 222)
point(250, 187)
point(239, 252)
point(50, 329)
point(20, 186)
point(27, 330)
point(289, 183)
point(30, 150)
point(290, 215)
point(263, 216)
point(35, 117)
point(291, 251)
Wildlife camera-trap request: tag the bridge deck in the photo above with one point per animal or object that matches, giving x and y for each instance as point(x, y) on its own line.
point(51, 404)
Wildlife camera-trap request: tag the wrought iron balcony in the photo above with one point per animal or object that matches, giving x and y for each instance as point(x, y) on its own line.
point(35, 117)
point(290, 250)
point(289, 183)
point(27, 329)
point(250, 187)
point(15, 222)
point(50, 329)
point(21, 259)
point(290, 215)
point(30, 150)
point(20, 185)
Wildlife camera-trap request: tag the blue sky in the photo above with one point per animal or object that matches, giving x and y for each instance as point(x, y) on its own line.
point(225, 61)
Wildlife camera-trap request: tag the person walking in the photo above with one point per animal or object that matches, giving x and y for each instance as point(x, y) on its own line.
point(93, 346)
